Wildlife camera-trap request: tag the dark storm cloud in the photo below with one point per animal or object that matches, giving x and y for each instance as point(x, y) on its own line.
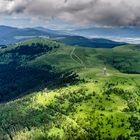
point(97, 12)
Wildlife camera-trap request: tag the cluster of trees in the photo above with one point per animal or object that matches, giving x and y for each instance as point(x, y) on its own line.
point(17, 81)
point(135, 124)
point(57, 120)
point(18, 78)
point(123, 62)
point(37, 122)
point(132, 98)
point(32, 49)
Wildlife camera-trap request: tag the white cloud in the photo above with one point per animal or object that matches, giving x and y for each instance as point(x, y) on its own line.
point(98, 12)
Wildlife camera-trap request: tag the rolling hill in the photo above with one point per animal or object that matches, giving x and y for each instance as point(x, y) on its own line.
point(110, 32)
point(53, 91)
point(11, 35)
point(93, 43)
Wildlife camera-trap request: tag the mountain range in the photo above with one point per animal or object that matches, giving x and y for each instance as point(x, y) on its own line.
point(108, 31)
point(92, 43)
point(11, 35)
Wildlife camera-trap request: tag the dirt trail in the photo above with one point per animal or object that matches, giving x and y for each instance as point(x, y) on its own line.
point(79, 61)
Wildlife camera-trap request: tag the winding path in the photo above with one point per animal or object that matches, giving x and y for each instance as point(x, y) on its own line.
point(79, 61)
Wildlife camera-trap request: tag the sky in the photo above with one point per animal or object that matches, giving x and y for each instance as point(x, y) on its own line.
point(68, 14)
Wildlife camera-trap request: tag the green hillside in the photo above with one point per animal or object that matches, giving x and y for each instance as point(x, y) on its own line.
point(50, 91)
point(92, 43)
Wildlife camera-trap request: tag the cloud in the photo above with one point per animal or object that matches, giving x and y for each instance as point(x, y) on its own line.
point(95, 12)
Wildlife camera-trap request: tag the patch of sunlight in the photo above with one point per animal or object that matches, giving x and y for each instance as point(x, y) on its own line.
point(93, 87)
point(127, 88)
point(43, 98)
point(56, 132)
point(119, 102)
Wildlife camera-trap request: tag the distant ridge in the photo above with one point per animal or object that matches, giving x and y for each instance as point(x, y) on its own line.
point(106, 32)
point(93, 43)
point(11, 35)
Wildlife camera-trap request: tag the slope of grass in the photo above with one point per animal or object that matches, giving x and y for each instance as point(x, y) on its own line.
point(123, 58)
point(95, 106)
point(99, 109)
point(17, 78)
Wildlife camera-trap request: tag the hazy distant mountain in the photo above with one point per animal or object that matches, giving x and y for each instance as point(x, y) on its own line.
point(49, 31)
point(10, 35)
point(4, 30)
point(110, 32)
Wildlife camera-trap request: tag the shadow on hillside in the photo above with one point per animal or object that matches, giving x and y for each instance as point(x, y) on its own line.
point(16, 81)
